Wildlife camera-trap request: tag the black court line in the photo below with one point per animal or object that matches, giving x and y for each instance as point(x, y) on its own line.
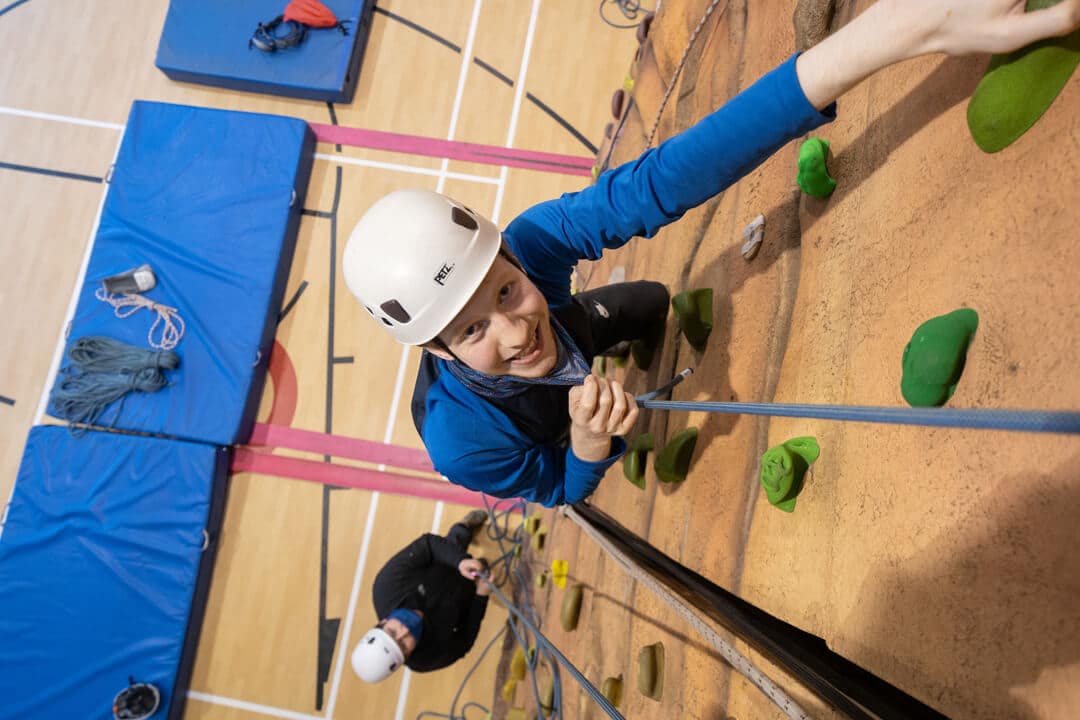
point(292, 301)
point(420, 29)
point(328, 627)
point(13, 5)
point(504, 78)
point(317, 213)
point(7, 400)
point(562, 121)
point(344, 360)
point(333, 119)
point(50, 173)
point(507, 81)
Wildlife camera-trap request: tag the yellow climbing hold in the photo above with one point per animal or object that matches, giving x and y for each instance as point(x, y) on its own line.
point(612, 690)
point(651, 671)
point(560, 570)
point(518, 664)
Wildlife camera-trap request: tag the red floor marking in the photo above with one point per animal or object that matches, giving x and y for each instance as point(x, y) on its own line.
point(283, 374)
point(454, 150)
point(244, 459)
point(405, 458)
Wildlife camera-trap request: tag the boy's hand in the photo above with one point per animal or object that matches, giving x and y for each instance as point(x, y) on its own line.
point(599, 409)
point(471, 568)
point(893, 30)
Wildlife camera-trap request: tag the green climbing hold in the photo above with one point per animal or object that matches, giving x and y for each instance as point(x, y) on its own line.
point(813, 177)
point(643, 353)
point(532, 524)
point(673, 462)
point(1020, 86)
point(650, 676)
point(571, 607)
point(539, 540)
point(694, 310)
point(783, 469)
point(612, 690)
point(634, 461)
point(599, 365)
point(541, 580)
point(934, 358)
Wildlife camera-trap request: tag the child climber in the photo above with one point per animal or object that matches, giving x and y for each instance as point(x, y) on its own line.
point(504, 399)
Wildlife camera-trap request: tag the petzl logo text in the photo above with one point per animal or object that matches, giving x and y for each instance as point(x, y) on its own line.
point(444, 272)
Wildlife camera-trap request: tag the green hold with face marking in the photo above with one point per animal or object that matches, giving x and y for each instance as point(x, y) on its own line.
point(934, 358)
point(783, 469)
point(1020, 86)
point(814, 178)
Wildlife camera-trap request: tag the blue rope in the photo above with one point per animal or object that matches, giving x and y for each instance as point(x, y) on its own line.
point(547, 645)
point(1046, 421)
point(103, 371)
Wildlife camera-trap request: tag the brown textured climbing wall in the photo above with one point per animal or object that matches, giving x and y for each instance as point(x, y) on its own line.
point(942, 560)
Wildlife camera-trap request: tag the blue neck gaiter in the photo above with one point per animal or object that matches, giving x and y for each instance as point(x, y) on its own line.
point(409, 619)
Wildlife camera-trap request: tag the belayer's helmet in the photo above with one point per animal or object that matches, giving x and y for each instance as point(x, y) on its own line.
point(376, 656)
point(415, 258)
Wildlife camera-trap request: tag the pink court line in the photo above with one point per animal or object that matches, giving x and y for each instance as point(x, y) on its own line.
point(245, 459)
point(454, 150)
point(339, 446)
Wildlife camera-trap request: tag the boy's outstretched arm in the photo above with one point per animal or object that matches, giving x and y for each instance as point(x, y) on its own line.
point(893, 30)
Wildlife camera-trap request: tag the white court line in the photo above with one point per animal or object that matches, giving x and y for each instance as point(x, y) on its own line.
point(519, 93)
point(250, 706)
point(59, 118)
point(405, 168)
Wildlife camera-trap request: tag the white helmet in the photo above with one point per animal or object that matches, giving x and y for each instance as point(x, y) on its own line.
point(376, 656)
point(415, 258)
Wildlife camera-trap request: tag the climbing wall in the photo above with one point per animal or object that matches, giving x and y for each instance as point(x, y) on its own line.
point(940, 560)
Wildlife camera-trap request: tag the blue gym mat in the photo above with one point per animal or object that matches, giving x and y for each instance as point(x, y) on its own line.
point(206, 42)
point(211, 200)
point(103, 572)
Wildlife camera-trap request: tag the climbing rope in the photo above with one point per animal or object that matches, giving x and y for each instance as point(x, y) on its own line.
point(736, 659)
point(127, 304)
point(1045, 421)
point(630, 9)
point(103, 371)
point(679, 67)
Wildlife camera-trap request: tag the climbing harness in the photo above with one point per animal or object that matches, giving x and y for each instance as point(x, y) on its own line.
point(290, 28)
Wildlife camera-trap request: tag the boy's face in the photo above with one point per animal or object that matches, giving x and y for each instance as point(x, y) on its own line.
point(401, 635)
point(505, 328)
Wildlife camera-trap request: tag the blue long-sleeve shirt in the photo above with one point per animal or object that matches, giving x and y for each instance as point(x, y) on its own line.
point(473, 442)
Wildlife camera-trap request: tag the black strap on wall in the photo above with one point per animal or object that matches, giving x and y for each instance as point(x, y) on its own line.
point(841, 683)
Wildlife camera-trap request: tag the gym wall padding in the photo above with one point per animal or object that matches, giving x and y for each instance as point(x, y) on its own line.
point(103, 571)
point(206, 42)
point(212, 201)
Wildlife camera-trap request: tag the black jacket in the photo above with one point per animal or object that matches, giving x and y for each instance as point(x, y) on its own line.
point(424, 576)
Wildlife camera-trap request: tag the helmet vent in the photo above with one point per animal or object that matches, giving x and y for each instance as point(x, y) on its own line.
point(393, 309)
point(464, 219)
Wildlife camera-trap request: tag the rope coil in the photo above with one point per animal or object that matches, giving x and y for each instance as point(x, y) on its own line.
point(127, 304)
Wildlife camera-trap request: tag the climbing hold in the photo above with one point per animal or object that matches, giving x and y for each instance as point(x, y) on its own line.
point(599, 365)
point(694, 310)
point(1020, 86)
point(650, 677)
point(532, 524)
point(518, 714)
point(539, 540)
point(547, 697)
point(752, 236)
point(595, 172)
point(612, 690)
point(608, 129)
point(812, 20)
point(517, 550)
point(571, 607)
point(617, 100)
point(541, 579)
point(508, 690)
point(560, 569)
point(643, 27)
point(634, 460)
point(783, 469)
point(519, 666)
point(934, 358)
point(643, 353)
point(813, 178)
point(673, 462)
